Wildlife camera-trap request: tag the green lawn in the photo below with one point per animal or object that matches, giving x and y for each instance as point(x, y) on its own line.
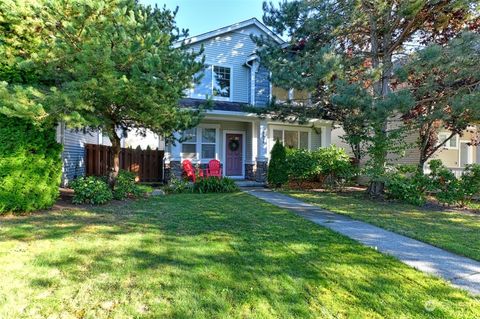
point(454, 231)
point(205, 256)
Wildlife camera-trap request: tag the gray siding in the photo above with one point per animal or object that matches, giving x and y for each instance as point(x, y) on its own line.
point(74, 153)
point(232, 50)
point(262, 86)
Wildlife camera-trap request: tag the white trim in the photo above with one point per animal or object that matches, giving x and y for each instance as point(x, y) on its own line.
point(209, 68)
point(447, 144)
point(284, 128)
point(244, 153)
point(227, 29)
point(270, 93)
point(222, 98)
point(198, 145)
point(469, 155)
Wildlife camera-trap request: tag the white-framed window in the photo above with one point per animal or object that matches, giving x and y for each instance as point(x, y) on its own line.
point(216, 82)
point(201, 143)
point(189, 144)
point(451, 144)
point(209, 143)
point(291, 137)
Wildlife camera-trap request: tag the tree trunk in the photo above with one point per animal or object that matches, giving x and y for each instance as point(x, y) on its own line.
point(376, 188)
point(116, 149)
point(421, 163)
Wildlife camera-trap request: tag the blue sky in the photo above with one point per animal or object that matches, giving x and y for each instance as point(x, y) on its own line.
point(201, 16)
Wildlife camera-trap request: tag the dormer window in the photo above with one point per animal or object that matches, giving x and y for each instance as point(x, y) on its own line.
point(216, 83)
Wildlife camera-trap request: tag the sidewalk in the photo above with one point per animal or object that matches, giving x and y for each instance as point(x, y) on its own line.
point(462, 272)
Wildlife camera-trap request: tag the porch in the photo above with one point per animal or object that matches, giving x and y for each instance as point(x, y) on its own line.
point(242, 143)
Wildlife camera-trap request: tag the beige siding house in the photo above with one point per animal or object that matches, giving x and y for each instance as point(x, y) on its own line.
point(456, 154)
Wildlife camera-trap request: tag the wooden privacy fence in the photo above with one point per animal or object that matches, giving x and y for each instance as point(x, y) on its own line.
point(146, 164)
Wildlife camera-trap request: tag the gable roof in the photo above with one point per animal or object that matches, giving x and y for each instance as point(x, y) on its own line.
point(231, 28)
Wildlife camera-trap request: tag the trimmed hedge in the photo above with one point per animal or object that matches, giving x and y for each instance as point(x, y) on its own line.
point(329, 166)
point(30, 165)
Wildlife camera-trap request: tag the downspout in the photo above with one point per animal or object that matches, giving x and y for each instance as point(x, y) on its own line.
point(253, 65)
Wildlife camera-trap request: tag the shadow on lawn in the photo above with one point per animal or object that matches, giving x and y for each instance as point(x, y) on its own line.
point(227, 249)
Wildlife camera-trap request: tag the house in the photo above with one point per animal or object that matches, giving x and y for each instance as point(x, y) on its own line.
point(455, 154)
point(235, 78)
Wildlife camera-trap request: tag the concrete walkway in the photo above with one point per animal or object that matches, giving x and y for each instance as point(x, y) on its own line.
point(462, 272)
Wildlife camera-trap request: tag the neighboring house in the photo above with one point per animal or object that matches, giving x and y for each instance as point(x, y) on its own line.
point(455, 154)
point(235, 78)
point(458, 151)
point(73, 141)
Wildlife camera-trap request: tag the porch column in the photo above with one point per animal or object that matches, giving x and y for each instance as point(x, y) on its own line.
point(262, 141)
point(176, 149)
point(262, 161)
point(173, 165)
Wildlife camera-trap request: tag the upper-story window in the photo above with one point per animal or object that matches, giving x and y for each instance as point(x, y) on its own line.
point(451, 144)
point(216, 82)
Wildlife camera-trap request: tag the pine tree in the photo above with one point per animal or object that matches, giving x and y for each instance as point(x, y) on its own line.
point(113, 65)
point(334, 45)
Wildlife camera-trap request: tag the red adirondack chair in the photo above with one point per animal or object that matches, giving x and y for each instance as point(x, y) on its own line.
point(190, 171)
point(214, 168)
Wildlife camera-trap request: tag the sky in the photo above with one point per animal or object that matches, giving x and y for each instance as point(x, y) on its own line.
point(200, 16)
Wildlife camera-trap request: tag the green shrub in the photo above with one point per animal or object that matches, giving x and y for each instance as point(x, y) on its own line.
point(444, 184)
point(30, 165)
point(302, 165)
point(126, 187)
point(407, 184)
point(91, 190)
point(470, 184)
point(277, 167)
point(330, 166)
point(178, 186)
point(215, 185)
point(335, 165)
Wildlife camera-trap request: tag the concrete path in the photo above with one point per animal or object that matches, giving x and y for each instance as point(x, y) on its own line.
point(462, 272)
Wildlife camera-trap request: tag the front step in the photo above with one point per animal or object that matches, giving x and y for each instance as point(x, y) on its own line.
point(246, 183)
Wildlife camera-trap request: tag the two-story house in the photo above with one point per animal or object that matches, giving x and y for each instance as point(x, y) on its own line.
point(234, 78)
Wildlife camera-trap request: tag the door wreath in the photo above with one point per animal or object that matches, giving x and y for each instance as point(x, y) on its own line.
point(233, 145)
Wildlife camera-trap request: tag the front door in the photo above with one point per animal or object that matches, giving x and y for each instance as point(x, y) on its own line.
point(233, 154)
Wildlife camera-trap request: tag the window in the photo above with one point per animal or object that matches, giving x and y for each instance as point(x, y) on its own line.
point(208, 143)
point(291, 138)
point(189, 145)
point(200, 143)
point(304, 140)
point(452, 143)
point(216, 82)
point(221, 81)
point(278, 135)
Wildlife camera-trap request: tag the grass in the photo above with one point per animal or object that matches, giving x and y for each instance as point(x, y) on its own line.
point(454, 231)
point(205, 256)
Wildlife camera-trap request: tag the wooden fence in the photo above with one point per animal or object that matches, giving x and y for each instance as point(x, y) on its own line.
point(146, 164)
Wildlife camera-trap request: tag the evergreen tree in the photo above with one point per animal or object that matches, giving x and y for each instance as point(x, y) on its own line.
point(277, 167)
point(354, 43)
point(112, 65)
point(445, 81)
